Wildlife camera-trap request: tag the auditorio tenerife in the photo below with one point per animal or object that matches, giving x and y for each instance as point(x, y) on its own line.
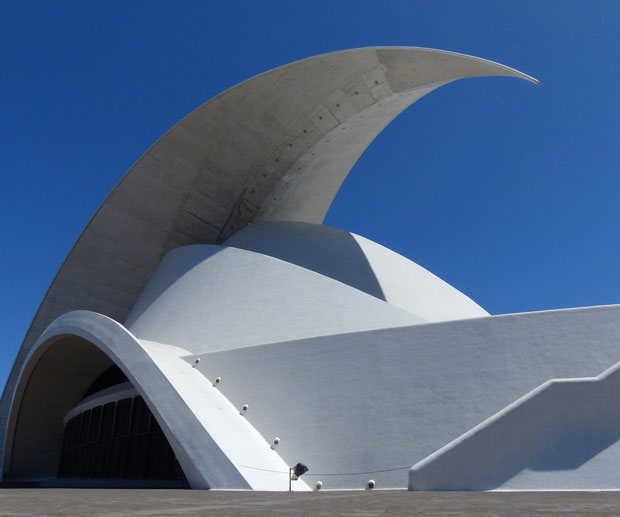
point(206, 330)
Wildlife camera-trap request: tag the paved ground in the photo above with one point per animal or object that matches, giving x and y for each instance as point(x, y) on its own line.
point(359, 503)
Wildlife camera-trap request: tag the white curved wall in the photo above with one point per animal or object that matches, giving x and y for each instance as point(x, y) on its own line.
point(207, 298)
point(386, 399)
point(360, 263)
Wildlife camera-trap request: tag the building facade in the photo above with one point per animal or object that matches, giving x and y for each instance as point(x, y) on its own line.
point(207, 331)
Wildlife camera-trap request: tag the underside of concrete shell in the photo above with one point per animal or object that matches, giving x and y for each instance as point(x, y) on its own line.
point(206, 330)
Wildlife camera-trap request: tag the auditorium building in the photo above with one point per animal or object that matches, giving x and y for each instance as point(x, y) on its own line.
point(207, 330)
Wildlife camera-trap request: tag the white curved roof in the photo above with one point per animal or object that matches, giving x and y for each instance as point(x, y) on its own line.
point(361, 264)
point(276, 146)
point(282, 281)
point(206, 298)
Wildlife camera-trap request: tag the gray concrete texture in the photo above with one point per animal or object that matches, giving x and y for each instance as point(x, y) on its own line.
point(276, 146)
point(109, 503)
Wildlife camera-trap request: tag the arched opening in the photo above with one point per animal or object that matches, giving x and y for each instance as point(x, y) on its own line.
point(80, 422)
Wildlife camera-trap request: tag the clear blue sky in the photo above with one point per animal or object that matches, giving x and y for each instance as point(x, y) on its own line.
point(508, 191)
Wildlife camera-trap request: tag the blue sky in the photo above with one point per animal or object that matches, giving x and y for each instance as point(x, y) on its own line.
point(506, 190)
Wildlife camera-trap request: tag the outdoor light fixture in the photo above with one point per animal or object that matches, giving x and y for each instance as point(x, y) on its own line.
point(295, 473)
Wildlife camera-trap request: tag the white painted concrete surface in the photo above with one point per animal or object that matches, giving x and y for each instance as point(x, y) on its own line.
point(360, 263)
point(206, 298)
point(223, 422)
point(386, 399)
point(565, 434)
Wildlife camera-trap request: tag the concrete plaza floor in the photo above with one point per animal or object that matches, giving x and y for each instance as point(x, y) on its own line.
point(111, 502)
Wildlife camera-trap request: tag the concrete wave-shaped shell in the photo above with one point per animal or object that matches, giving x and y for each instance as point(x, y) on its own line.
point(276, 146)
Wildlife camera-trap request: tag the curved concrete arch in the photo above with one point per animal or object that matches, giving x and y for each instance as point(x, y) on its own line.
point(68, 356)
point(276, 146)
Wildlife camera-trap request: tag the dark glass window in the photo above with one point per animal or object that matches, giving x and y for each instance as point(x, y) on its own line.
point(140, 418)
point(107, 420)
point(95, 422)
point(119, 440)
point(78, 429)
point(110, 377)
point(123, 417)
